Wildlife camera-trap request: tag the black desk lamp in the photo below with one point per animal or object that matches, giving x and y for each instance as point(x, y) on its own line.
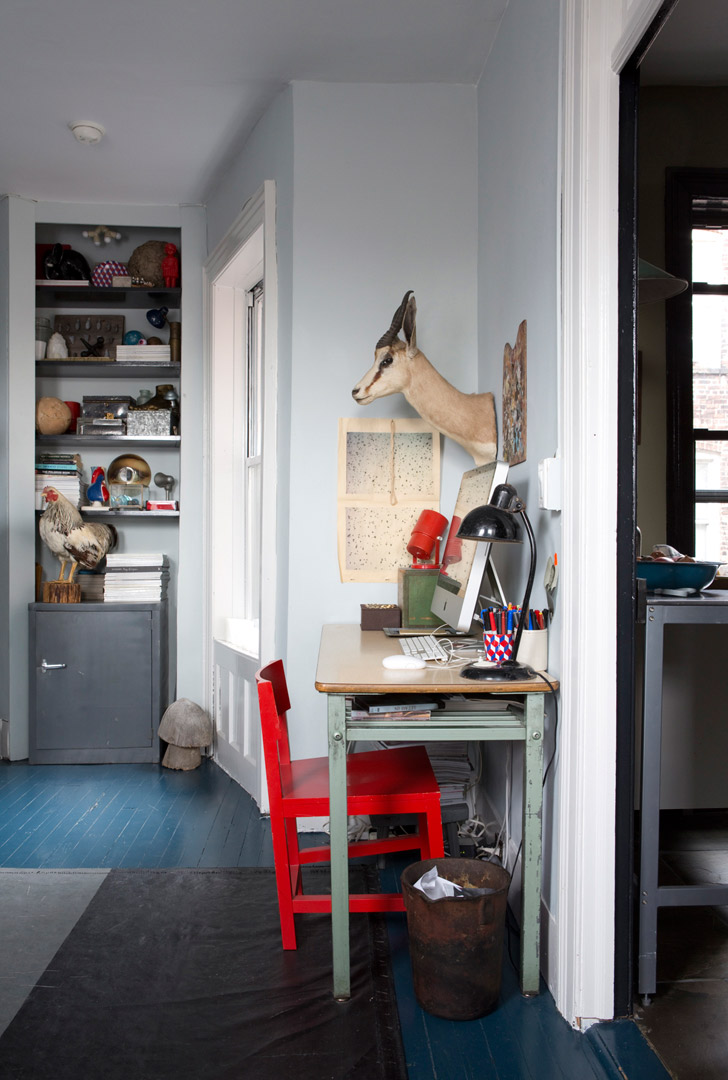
point(497, 523)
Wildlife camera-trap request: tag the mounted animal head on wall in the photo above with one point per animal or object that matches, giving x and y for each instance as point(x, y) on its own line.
point(401, 368)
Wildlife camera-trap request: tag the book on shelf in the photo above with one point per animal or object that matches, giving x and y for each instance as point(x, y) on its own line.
point(61, 283)
point(413, 714)
point(151, 354)
point(137, 558)
point(125, 574)
point(387, 704)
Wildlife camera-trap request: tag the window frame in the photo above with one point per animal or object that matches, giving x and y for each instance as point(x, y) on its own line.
point(682, 186)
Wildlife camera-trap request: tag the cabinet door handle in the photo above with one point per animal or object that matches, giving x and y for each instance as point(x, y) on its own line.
point(44, 666)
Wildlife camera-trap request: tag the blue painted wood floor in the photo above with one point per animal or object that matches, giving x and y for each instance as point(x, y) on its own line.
point(73, 816)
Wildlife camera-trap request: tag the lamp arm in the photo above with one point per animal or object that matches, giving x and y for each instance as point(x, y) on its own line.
point(529, 584)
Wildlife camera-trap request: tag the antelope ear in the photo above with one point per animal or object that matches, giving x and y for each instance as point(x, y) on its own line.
point(408, 324)
point(391, 335)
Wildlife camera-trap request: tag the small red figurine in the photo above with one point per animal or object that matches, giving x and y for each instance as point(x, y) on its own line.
point(170, 267)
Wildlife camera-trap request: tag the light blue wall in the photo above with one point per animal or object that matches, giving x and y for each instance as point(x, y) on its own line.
point(385, 200)
point(518, 276)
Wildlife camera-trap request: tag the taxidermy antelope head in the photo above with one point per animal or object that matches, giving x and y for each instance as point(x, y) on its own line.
point(400, 368)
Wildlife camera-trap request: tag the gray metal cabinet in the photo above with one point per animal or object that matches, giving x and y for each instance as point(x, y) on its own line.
point(98, 682)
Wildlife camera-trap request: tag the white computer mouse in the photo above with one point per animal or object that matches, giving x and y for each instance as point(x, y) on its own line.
point(401, 662)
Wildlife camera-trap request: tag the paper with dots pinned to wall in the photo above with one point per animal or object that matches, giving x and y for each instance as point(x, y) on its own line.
point(389, 472)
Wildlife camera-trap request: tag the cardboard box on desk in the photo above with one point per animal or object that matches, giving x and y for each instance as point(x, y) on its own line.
point(414, 593)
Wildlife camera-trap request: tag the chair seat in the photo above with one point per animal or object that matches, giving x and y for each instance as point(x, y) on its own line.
point(390, 778)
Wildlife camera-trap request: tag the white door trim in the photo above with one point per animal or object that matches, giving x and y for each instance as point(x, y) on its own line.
point(595, 37)
point(259, 212)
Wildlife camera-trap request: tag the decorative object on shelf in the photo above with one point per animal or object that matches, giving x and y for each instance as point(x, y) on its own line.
point(129, 469)
point(62, 264)
point(170, 266)
point(43, 331)
point(133, 337)
point(105, 272)
point(145, 263)
point(106, 406)
point(57, 348)
point(186, 728)
point(167, 482)
point(149, 422)
point(174, 342)
point(52, 416)
point(95, 350)
point(97, 492)
point(172, 397)
point(101, 234)
point(78, 329)
point(72, 540)
point(75, 407)
point(143, 397)
point(400, 368)
point(160, 400)
point(126, 496)
point(157, 317)
point(154, 341)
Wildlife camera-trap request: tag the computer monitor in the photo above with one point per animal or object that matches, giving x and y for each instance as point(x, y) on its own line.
point(458, 586)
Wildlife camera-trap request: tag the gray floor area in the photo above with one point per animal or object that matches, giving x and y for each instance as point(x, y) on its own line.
point(38, 909)
point(686, 1021)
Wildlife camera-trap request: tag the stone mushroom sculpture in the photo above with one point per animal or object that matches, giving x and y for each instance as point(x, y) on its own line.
point(185, 727)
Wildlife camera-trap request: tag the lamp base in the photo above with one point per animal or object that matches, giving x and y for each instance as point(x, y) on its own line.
point(508, 671)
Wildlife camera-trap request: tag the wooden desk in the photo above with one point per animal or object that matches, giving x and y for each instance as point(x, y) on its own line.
point(350, 663)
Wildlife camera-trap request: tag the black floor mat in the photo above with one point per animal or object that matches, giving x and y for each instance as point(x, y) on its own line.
point(180, 974)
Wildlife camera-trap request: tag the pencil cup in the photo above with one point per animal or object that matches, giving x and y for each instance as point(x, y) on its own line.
point(498, 647)
point(533, 649)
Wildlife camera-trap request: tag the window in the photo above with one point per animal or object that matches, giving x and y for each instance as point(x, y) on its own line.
point(697, 363)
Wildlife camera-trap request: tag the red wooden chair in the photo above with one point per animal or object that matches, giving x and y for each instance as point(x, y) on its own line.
point(394, 781)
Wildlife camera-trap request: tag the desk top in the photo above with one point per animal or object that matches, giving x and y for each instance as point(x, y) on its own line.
point(350, 662)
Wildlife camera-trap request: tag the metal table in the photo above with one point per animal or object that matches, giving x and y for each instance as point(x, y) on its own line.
point(657, 611)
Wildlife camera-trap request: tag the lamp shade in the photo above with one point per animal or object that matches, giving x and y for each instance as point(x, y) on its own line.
point(655, 284)
point(492, 524)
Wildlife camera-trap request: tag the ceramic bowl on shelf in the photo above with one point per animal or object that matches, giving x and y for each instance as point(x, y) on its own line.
point(677, 577)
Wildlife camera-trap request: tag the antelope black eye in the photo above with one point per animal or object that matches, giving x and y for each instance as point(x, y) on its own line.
point(385, 362)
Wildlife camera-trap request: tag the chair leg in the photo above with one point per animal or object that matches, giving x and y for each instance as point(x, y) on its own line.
point(294, 858)
point(430, 826)
point(283, 882)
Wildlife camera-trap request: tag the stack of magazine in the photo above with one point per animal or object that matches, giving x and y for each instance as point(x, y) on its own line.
point(136, 577)
point(61, 471)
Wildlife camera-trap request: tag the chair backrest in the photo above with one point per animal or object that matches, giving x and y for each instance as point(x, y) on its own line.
point(274, 704)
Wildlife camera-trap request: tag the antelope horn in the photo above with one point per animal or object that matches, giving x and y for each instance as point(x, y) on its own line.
point(391, 334)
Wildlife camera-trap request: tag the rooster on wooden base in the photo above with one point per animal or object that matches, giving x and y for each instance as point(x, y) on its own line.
point(70, 538)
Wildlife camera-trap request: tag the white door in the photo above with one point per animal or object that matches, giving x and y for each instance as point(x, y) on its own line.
point(241, 534)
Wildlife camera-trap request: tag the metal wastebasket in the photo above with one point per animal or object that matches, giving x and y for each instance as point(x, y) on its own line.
point(456, 943)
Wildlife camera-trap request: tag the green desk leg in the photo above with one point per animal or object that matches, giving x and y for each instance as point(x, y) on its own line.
point(339, 847)
point(531, 859)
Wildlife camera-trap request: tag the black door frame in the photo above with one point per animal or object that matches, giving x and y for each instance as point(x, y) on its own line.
point(627, 518)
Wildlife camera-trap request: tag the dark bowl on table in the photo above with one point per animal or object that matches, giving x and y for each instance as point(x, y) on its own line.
point(677, 576)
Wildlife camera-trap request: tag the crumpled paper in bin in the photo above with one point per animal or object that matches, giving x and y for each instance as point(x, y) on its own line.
point(437, 888)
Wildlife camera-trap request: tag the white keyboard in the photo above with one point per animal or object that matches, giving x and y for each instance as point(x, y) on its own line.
point(425, 646)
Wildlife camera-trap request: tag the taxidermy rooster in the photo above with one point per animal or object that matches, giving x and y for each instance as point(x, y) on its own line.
point(70, 538)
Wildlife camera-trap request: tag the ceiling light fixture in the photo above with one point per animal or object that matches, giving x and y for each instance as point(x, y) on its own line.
point(87, 131)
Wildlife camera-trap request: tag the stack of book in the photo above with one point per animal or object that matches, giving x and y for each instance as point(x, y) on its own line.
point(92, 585)
point(386, 708)
point(61, 471)
point(135, 578)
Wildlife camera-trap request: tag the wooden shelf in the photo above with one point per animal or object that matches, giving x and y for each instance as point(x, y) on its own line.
point(171, 441)
point(51, 295)
point(100, 369)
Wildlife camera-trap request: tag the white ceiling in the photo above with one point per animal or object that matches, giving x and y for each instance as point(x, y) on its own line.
point(179, 84)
